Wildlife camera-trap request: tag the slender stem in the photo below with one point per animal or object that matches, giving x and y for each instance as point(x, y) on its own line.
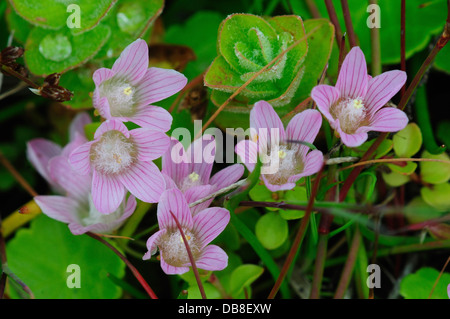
point(191, 257)
point(133, 269)
point(439, 277)
point(376, 47)
point(299, 237)
point(17, 175)
point(349, 266)
point(394, 160)
point(349, 24)
point(195, 81)
point(333, 18)
point(403, 42)
point(219, 192)
point(313, 9)
point(15, 89)
point(15, 74)
point(319, 266)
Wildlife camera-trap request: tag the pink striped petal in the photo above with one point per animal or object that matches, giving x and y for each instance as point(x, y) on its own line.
point(101, 104)
point(169, 182)
point(111, 125)
point(39, 152)
point(101, 75)
point(172, 201)
point(144, 180)
point(275, 188)
point(209, 223)
point(355, 139)
point(267, 124)
point(152, 244)
point(212, 258)
point(77, 125)
point(196, 193)
point(76, 142)
point(132, 62)
point(152, 117)
point(325, 96)
point(304, 127)
point(79, 159)
point(312, 164)
point(60, 208)
point(202, 154)
point(227, 176)
point(382, 88)
point(76, 185)
point(158, 84)
point(175, 162)
point(352, 79)
point(172, 270)
point(107, 192)
point(150, 144)
point(388, 119)
point(248, 152)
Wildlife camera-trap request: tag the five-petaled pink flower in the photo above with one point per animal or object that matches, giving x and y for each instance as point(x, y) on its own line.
point(284, 161)
point(73, 205)
point(190, 170)
point(355, 105)
point(121, 160)
point(199, 231)
point(125, 91)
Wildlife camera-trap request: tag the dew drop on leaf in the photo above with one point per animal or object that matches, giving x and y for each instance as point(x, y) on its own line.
point(55, 47)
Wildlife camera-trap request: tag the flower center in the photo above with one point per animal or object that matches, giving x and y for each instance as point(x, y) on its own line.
point(92, 216)
point(113, 153)
point(189, 181)
point(281, 163)
point(120, 97)
point(173, 250)
point(351, 114)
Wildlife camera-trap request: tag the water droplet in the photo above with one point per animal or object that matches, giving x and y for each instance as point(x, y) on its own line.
point(55, 47)
point(130, 17)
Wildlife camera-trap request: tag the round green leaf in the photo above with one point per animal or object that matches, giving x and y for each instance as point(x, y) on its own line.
point(271, 230)
point(297, 194)
point(435, 172)
point(395, 179)
point(408, 141)
point(417, 211)
point(420, 284)
point(407, 169)
point(40, 257)
point(437, 196)
point(244, 276)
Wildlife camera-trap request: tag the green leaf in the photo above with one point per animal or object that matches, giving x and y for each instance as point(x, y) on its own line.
point(55, 15)
point(20, 26)
point(243, 276)
point(384, 148)
point(40, 256)
point(211, 292)
point(408, 169)
point(437, 196)
point(395, 179)
point(271, 230)
point(408, 141)
point(420, 284)
point(417, 211)
point(79, 81)
point(297, 194)
point(442, 62)
point(435, 172)
point(48, 51)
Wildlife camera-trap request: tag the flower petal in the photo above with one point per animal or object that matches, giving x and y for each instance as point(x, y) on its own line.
point(355, 139)
point(304, 127)
point(352, 79)
point(158, 84)
point(248, 153)
point(152, 243)
point(107, 192)
point(227, 176)
point(267, 124)
point(77, 125)
point(76, 185)
point(325, 96)
point(388, 119)
point(111, 125)
point(212, 258)
point(150, 144)
point(101, 104)
point(172, 270)
point(175, 162)
point(144, 180)
point(202, 154)
point(101, 75)
point(313, 164)
point(198, 192)
point(275, 188)
point(172, 201)
point(382, 88)
point(39, 152)
point(61, 208)
point(152, 117)
point(209, 223)
point(79, 159)
point(132, 62)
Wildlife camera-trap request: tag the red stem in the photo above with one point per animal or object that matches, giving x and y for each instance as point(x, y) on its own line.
point(349, 24)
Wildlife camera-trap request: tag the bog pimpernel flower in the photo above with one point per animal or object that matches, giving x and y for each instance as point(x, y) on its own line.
point(121, 160)
point(288, 162)
point(355, 105)
point(190, 170)
point(125, 91)
point(199, 231)
point(74, 205)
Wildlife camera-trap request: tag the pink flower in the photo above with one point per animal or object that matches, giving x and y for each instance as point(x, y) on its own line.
point(355, 105)
point(125, 91)
point(284, 163)
point(75, 207)
point(199, 231)
point(190, 170)
point(121, 160)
